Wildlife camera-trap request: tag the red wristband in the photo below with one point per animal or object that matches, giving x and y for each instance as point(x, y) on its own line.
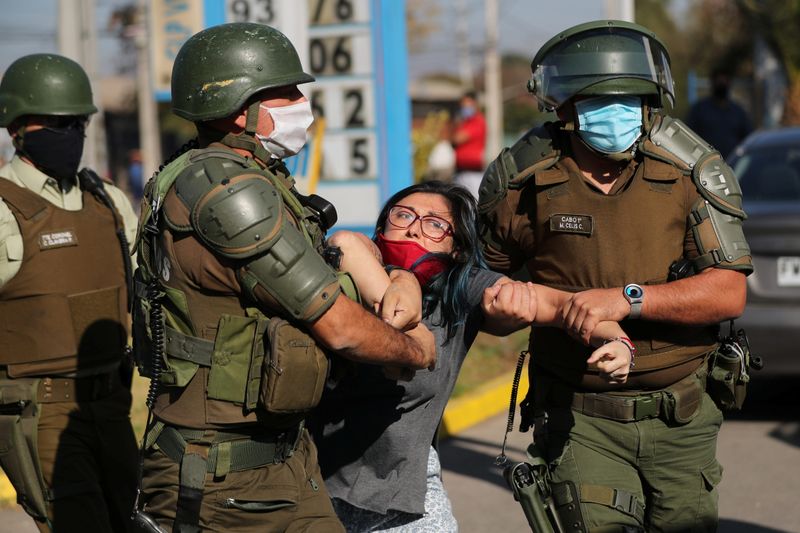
point(627, 342)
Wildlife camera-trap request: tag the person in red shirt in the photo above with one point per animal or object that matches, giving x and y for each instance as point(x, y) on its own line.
point(469, 141)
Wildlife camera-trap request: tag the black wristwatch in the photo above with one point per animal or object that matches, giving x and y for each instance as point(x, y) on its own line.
point(635, 296)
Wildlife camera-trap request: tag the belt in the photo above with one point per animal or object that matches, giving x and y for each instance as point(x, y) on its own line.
point(618, 407)
point(231, 452)
point(83, 389)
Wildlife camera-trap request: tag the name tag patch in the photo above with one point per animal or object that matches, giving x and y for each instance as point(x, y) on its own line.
point(566, 223)
point(57, 239)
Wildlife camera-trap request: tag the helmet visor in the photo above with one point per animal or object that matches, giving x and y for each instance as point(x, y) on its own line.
point(618, 58)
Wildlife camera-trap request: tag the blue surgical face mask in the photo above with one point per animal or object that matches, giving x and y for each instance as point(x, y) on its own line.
point(467, 111)
point(609, 124)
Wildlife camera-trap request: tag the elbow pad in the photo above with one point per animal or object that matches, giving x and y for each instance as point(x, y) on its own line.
point(295, 275)
point(720, 239)
point(717, 217)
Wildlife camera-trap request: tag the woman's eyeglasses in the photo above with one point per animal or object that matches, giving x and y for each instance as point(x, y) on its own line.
point(434, 228)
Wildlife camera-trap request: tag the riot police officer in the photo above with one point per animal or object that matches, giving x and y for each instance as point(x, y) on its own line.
point(602, 203)
point(68, 446)
point(238, 307)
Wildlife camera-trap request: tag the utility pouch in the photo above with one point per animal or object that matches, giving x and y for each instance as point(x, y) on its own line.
point(681, 401)
point(237, 343)
point(727, 380)
point(19, 418)
point(728, 371)
point(294, 371)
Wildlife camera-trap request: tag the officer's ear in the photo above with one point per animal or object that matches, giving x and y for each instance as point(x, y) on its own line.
point(566, 113)
point(17, 126)
point(239, 118)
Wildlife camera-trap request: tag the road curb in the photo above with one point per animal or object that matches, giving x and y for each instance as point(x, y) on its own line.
point(7, 494)
point(487, 401)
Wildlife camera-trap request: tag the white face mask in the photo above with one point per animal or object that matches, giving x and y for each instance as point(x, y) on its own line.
point(290, 124)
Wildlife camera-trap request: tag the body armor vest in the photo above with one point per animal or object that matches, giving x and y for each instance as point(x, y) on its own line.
point(220, 351)
point(585, 239)
point(65, 310)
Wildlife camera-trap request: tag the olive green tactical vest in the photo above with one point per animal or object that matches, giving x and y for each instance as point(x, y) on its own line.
point(215, 340)
point(65, 310)
point(585, 239)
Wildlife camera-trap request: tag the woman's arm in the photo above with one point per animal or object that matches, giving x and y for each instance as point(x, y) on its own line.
point(361, 258)
point(396, 297)
point(511, 305)
point(508, 306)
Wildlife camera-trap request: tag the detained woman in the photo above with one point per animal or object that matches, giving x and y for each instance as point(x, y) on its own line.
point(376, 429)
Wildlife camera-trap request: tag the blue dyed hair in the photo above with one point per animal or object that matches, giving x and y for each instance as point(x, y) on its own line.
point(451, 287)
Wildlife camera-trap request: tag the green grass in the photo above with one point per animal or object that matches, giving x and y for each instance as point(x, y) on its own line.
point(489, 358)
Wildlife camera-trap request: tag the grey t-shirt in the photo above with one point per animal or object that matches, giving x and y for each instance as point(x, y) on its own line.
point(374, 434)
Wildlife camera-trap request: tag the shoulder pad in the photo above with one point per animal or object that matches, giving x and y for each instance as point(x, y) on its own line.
point(235, 210)
point(534, 151)
point(512, 168)
point(494, 185)
point(714, 179)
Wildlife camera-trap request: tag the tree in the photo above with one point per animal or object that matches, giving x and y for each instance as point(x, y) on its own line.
point(655, 16)
point(422, 20)
point(778, 21)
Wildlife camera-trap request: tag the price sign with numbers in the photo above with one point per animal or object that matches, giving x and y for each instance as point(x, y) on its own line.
point(261, 11)
point(356, 51)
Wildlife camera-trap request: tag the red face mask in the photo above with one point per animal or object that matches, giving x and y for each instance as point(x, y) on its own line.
point(410, 256)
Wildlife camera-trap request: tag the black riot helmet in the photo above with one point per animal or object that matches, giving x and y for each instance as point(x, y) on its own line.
point(604, 57)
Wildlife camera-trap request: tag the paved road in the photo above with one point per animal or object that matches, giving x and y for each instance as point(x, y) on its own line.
point(759, 448)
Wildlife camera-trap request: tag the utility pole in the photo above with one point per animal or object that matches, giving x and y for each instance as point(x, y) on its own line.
point(620, 10)
point(462, 42)
point(149, 135)
point(77, 40)
point(494, 102)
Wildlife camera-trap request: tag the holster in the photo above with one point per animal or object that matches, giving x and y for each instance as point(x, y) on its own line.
point(19, 419)
point(530, 483)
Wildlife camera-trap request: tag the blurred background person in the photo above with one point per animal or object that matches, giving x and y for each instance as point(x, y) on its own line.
point(135, 174)
point(718, 119)
point(469, 141)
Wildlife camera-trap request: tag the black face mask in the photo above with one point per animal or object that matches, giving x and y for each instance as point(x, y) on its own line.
point(55, 151)
point(720, 91)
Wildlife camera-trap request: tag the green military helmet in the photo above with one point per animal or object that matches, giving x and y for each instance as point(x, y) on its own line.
point(219, 68)
point(599, 58)
point(44, 84)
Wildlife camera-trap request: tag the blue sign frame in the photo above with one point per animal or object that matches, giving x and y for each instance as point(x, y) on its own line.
point(392, 103)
